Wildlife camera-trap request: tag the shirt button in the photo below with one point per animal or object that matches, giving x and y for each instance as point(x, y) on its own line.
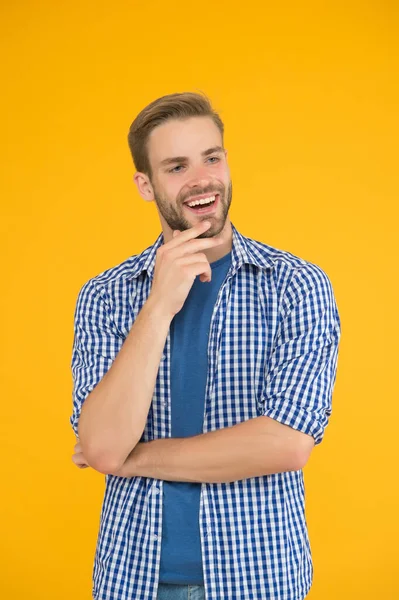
point(164, 403)
point(155, 490)
point(163, 356)
point(155, 537)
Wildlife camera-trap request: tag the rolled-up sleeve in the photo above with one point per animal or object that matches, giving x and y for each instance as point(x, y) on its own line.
point(95, 345)
point(302, 370)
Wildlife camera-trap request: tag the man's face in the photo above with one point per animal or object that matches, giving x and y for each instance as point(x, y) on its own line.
point(201, 169)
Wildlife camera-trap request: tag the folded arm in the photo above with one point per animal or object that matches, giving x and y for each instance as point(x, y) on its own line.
point(252, 448)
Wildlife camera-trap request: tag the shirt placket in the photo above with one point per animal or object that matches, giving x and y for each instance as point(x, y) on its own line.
point(213, 349)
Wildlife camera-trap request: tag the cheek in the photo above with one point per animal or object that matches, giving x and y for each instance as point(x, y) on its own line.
point(176, 190)
point(222, 173)
point(174, 194)
point(168, 190)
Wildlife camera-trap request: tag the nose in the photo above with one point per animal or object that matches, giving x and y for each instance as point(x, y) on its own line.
point(199, 177)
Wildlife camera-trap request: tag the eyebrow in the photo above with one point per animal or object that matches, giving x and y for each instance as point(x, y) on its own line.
point(169, 161)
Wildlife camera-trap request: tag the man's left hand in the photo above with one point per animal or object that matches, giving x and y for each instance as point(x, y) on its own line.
point(78, 458)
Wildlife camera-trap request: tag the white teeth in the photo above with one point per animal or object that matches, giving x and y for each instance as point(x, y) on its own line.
point(203, 201)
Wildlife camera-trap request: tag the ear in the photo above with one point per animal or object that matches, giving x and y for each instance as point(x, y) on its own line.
point(144, 186)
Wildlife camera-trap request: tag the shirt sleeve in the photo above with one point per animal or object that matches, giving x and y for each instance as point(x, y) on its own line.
point(95, 345)
point(302, 370)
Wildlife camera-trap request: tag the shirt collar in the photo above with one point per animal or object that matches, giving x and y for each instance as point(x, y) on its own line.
point(244, 250)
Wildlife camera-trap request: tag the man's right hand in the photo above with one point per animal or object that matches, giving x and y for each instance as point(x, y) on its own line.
point(178, 262)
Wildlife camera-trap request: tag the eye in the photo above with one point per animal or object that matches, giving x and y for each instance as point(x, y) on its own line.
point(173, 170)
point(214, 158)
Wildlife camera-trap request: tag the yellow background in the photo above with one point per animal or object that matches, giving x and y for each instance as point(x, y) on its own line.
point(309, 96)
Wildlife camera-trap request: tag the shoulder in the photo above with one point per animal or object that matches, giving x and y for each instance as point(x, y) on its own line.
point(277, 256)
point(288, 263)
point(294, 280)
point(113, 281)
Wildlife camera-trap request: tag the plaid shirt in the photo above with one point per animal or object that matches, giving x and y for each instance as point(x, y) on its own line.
point(273, 350)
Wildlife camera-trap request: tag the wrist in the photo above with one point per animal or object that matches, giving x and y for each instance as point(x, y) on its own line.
point(157, 309)
point(130, 467)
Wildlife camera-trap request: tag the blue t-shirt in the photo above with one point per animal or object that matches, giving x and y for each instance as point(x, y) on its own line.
point(181, 557)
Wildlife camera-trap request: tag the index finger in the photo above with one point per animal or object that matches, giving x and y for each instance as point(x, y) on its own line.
point(189, 234)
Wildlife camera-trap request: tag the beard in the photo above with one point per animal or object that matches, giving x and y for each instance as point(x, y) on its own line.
point(174, 215)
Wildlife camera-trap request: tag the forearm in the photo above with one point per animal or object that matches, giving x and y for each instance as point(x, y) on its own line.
point(256, 447)
point(114, 414)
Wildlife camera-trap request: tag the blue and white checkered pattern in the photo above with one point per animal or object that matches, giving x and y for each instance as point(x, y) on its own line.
point(273, 350)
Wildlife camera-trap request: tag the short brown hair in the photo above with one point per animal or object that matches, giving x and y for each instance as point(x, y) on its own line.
point(173, 106)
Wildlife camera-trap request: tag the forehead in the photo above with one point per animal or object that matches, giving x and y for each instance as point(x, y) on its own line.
point(187, 137)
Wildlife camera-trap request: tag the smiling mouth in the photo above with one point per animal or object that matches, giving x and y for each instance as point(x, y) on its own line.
point(208, 205)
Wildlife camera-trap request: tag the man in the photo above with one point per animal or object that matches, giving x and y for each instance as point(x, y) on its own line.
point(203, 375)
